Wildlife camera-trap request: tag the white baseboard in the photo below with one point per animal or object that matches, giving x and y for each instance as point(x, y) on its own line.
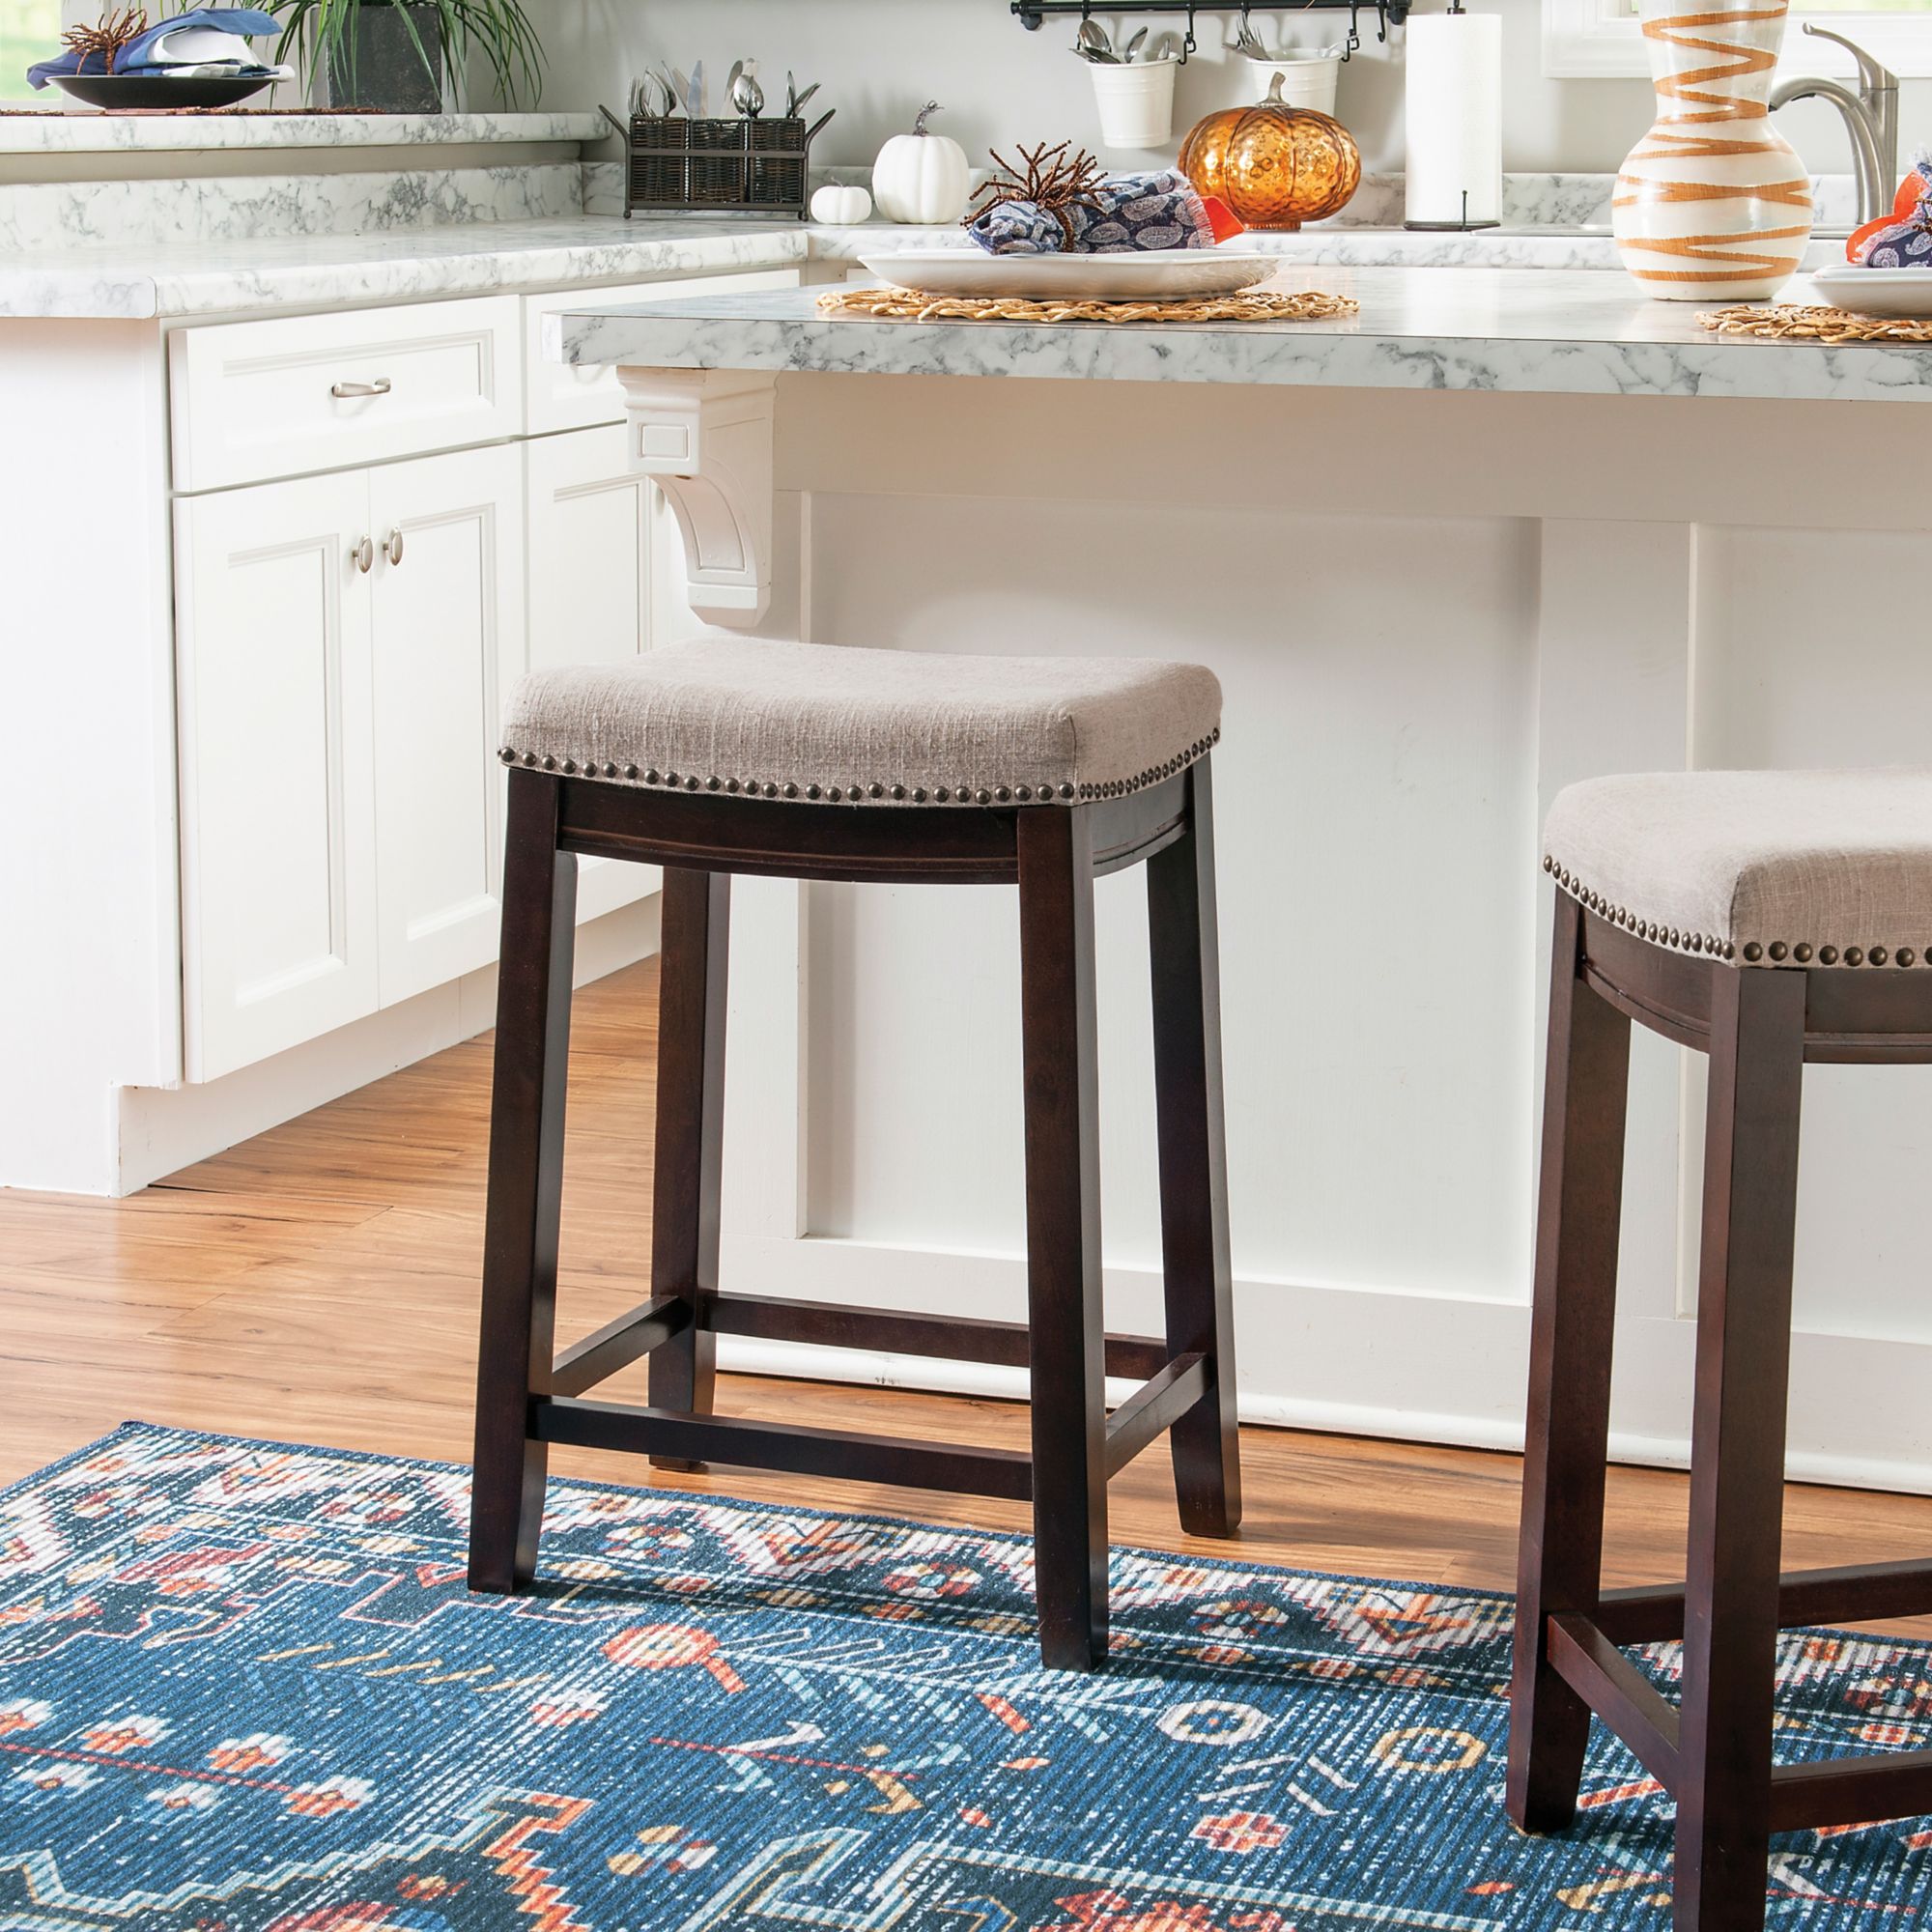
point(861, 1368)
point(164, 1129)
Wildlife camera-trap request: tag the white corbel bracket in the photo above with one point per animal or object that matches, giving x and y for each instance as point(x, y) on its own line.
point(705, 436)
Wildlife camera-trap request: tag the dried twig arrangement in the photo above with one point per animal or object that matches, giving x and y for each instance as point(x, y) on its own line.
point(1053, 179)
point(114, 32)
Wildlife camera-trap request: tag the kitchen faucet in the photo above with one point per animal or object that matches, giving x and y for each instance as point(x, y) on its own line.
point(1870, 117)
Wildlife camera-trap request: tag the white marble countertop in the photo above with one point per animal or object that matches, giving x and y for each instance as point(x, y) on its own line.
point(256, 273)
point(409, 264)
point(57, 131)
point(1544, 330)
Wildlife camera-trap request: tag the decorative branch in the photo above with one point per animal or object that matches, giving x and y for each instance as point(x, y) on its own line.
point(1051, 178)
point(114, 32)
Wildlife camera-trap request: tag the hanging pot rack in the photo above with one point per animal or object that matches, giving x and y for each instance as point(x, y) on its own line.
point(1032, 14)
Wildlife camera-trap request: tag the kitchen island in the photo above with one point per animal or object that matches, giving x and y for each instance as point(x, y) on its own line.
point(1499, 531)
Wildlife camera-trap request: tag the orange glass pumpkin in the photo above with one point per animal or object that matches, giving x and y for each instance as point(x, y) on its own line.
point(1204, 155)
point(1276, 166)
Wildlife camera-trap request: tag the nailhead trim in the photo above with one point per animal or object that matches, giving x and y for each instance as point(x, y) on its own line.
point(1754, 951)
point(856, 794)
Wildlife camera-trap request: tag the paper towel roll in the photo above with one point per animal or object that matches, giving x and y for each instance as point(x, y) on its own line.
point(1454, 117)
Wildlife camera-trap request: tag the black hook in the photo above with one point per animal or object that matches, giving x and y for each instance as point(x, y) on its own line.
point(1188, 41)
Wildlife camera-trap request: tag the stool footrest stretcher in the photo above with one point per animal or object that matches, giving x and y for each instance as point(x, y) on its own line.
point(1812, 1796)
point(786, 1448)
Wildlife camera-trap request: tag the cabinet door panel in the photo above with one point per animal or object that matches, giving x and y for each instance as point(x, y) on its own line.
point(277, 833)
point(447, 643)
point(591, 519)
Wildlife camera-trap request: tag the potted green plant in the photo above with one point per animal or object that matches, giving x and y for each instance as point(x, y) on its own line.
point(390, 56)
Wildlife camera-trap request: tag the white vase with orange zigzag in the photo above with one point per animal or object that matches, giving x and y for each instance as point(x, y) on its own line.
point(1713, 202)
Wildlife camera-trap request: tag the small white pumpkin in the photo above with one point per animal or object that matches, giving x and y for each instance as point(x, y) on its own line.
point(840, 207)
point(920, 177)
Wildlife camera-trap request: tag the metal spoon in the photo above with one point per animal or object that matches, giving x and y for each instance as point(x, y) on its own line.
point(1090, 41)
point(1135, 44)
point(748, 97)
point(798, 106)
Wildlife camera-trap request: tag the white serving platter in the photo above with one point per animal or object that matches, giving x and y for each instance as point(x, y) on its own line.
point(1149, 275)
point(1898, 295)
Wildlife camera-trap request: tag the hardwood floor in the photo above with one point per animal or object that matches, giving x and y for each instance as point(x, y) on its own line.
point(318, 1285)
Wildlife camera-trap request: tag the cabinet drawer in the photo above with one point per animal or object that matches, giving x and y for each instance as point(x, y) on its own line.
point(562, 395)
point(254, 400)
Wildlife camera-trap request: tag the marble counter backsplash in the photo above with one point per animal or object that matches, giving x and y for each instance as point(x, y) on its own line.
point(244, 208)
point(1529, 201)
point(133, 213)
point(135, 249)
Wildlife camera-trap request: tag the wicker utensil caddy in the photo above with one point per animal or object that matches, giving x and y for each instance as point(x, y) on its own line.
point(676, 163)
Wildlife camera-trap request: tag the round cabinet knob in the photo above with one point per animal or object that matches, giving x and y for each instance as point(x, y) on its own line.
point(364, 555)
point(394, 545)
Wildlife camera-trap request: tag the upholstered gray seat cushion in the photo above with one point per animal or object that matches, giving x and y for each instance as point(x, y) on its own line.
point(823, 723)
point(1763, 869)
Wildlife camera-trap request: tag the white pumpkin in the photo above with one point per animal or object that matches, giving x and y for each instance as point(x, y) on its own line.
point(840, 207)
point(920, 177)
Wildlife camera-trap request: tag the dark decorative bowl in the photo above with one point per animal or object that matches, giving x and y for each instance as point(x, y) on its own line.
point(150, 91)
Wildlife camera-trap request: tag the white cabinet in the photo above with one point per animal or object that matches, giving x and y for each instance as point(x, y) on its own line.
point(594, 525)
point(278, 803)
point(447, 602)
point(344, 643)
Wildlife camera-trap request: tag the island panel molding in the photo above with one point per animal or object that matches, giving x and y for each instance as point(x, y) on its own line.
point(705, 439)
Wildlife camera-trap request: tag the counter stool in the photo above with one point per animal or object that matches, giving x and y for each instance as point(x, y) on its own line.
point(810, 761)
point(1766, 919)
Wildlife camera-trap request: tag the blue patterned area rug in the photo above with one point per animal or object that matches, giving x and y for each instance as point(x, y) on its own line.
point(242, 1688)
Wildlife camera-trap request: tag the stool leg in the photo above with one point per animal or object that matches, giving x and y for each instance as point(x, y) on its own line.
point(1736, 1450)
point(1560, 1557)
point(525, 1186)
point(1199, 1280)
point(1063, 1192)
point(696, 951)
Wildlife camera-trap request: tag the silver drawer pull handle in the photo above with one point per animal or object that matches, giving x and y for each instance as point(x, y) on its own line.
point(378, 387)
point(394, 545)
point(364, 555)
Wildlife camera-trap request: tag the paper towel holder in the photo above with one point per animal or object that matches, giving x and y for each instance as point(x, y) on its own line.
point(1464, 227)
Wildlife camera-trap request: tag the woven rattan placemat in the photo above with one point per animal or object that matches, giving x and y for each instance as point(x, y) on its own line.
point(903, 305)
point(1792, 322)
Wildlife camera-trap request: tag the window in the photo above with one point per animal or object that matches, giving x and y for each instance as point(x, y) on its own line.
point(29, 30)
point(1589, 38)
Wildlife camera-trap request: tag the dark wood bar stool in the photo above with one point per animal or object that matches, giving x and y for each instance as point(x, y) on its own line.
point(816, 762)
point(1766, 919)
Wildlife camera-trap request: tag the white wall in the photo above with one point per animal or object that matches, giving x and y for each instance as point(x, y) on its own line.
point(880, 59)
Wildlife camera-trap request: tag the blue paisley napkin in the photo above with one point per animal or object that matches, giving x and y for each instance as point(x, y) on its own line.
point(1907, 241)
point(1123, 212)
